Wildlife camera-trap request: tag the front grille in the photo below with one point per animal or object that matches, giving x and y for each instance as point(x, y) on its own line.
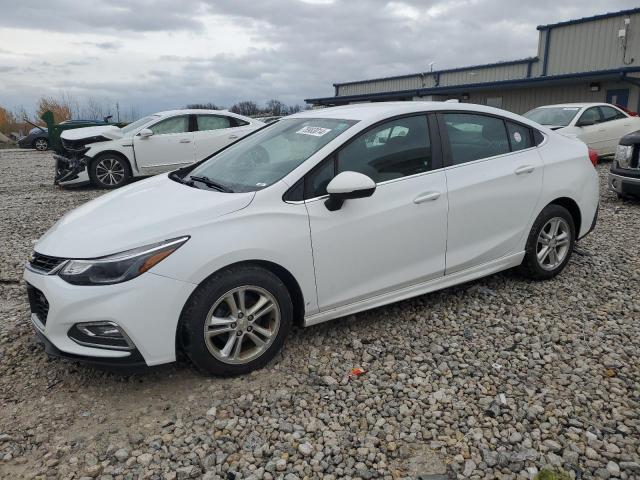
point(44, 263)
point(38, 303)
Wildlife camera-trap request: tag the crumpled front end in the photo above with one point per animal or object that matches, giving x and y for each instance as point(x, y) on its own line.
point(72, 163)
point(71, 169)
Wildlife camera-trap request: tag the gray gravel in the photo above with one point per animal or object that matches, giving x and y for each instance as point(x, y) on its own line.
point(494, 379)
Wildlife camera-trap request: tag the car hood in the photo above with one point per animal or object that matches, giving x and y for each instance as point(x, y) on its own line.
point(108, 131)
point(145, 212)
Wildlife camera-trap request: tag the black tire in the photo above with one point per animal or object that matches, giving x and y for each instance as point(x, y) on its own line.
point(41, 144)
point(109, 162)
point(201, 304)
point(531, 266)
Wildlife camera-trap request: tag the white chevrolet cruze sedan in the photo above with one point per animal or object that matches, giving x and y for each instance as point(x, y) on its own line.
point(322, 214)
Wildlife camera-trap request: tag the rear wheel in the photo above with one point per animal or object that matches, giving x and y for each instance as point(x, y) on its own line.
point(41, 144)
point(550, 243)
point(109, 171)
point(236, 321)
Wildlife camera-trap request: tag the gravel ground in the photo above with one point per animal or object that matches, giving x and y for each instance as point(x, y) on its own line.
point(493, 379)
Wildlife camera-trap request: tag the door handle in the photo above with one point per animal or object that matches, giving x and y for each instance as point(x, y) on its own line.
point(426, 197)
point(232, 137)
point(525, 169)
point(185, 141)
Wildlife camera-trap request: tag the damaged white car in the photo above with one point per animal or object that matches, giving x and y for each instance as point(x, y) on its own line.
point(108, 156)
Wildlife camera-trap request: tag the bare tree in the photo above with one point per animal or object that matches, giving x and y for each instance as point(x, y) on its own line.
point(205, 106)
point(276, 107)
point(246, 107)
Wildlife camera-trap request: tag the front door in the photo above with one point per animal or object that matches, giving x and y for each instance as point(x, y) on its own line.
point(591, 131)
point(396, 237)
point(618, 97)
point(494, 180)
point(170, 146)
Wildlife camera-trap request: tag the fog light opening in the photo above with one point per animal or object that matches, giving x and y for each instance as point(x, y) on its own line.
point(100, 335)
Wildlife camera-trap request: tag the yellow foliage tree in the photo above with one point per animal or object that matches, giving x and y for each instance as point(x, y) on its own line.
point(61, 109)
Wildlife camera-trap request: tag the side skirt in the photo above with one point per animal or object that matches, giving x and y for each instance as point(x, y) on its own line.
point(418, 289)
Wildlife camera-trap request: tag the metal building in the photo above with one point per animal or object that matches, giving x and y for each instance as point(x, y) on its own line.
point(592, 59)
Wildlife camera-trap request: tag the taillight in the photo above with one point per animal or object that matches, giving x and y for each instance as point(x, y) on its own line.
point(593, 156)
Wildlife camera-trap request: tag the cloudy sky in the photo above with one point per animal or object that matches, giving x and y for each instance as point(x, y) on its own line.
point(159, 54)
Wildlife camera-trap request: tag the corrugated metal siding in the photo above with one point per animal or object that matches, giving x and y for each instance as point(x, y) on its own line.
point(389, 85)
point(481, 75)
point(522, 100)
point(592, 46)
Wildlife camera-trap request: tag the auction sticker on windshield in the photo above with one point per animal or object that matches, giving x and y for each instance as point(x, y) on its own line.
point(315, 131)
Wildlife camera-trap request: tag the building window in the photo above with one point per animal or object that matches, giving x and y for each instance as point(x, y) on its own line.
point(494, 102)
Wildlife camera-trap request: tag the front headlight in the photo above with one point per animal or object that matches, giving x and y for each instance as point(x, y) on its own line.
point(623, 156)
point(119, 267)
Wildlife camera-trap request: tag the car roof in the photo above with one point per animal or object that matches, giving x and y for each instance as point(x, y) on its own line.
point(577, 104)
point(168, 113)
point(380, 110)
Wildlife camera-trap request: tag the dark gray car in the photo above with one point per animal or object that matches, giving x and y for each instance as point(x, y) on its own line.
point(38, 138)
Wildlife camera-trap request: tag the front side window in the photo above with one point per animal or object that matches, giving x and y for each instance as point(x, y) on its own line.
point(137, 124)
point(590, 116)
point(171, 125)
point(212, 122)
point(553, 116)
point(610, 113)
point(266, 156)
point(395, 149)
point(472, 137)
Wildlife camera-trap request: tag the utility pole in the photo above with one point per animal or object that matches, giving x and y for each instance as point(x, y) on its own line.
point(118, 111)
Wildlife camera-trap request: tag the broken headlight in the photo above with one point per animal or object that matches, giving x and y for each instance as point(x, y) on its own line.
point(624, 153)
point(119, 267)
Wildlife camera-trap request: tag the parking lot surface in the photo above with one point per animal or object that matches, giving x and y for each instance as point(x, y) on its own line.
point(494, 379)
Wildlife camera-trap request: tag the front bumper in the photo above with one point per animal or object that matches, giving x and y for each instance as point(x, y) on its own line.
point(71, 171)
point(146, 309)
point(624, 185)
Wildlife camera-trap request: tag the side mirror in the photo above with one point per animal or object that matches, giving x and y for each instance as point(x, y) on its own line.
point(145, 132)
point(348, 185)
point(585, 123)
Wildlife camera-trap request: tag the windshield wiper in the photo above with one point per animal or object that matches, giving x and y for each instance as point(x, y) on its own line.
point(211, 183)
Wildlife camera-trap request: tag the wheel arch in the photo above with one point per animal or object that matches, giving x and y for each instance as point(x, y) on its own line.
point(279, 271)
point(573, 208)
point(117, 153)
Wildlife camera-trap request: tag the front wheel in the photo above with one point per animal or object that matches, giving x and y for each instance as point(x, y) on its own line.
point(41, 144)
point(236, 321)
point(109, 171)
point(550, 243)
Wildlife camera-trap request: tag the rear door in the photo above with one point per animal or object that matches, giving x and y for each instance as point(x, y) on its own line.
point(170, 146)
point(494, 179)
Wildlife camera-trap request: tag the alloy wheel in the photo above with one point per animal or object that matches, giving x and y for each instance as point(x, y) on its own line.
point(110, 171)
point(553, 243)
point(242, 324)
point(41, 144)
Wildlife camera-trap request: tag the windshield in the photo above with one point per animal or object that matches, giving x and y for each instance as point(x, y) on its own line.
point(138, 123)
point(555, 116)
point(269, 154)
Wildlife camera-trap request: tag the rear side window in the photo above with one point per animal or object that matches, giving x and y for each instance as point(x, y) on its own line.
point(472, 136)
point(610, 113)
point(395, 149)
point(212, 122)
point(236, 122)
point(519, 136)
